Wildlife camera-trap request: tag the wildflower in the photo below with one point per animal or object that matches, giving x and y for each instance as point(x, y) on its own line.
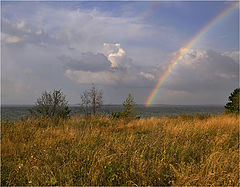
point(20, 165)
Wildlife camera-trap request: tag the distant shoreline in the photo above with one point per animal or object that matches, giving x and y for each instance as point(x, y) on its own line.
point(152, 105)
point(14, 112)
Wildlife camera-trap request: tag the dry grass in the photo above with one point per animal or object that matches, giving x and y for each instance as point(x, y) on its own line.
point(182, 150)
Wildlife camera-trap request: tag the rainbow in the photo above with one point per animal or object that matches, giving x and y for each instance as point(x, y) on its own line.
point(184, 50)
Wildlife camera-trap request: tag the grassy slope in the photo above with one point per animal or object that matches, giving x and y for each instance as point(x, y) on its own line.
point(183, 150)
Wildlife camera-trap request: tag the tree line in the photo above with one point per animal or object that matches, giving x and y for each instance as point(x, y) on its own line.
point(54, 105)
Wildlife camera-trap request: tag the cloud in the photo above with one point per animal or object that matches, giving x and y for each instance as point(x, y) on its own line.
point(115, 53)
point(21, 24)
point(87, 62)
point(88, 77)
point(115, 69)
point(114, 58)
point(63, 50)
point(191, 58)
point(109, 48)
point(234, 55)
point(12, 39)
point(115, 79)
point(147, 75)
point(118, 57)
point(203, 71)
point(69, 48)
point(25, 33)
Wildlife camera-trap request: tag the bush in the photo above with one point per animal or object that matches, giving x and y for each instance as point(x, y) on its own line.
point(51, 105)
point(129, 107)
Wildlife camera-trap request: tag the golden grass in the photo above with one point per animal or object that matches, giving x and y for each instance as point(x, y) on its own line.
point(181, 150)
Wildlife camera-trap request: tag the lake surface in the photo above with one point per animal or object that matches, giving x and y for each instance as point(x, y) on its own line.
point(15, 112)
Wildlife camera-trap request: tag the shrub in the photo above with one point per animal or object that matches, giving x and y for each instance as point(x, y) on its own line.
point(129, 107)
point(128, 113)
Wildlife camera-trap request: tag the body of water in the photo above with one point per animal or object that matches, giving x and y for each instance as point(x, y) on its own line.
point(15, 112)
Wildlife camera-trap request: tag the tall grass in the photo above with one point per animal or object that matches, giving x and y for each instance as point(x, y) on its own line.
point(182, 150)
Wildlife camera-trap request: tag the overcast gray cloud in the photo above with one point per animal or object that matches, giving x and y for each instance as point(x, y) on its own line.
point(204, 71)
point(87, 62)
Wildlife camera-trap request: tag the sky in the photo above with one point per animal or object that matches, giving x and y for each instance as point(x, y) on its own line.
point(121, 47)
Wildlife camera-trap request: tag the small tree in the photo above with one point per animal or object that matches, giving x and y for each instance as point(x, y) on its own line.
point(233, 105)
point(86, 102)
point(52, 105)
point(96, 99)
point(92, 100)
point(129, 107)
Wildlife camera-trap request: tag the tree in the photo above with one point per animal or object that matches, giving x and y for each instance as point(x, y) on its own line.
point(52, 105)
point(86, 102)
point(92, 100)
point(129, 107)
point(233, 105)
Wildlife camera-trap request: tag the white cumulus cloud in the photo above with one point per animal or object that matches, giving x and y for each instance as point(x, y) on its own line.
point(147, 75)
point(114, 53)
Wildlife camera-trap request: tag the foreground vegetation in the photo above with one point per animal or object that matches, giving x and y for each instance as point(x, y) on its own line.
point(181, 150)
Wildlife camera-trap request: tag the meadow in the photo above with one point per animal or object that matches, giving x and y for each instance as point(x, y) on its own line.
point(180, 150)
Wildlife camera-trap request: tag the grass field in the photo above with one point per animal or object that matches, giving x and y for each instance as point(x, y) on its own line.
point(181, 150)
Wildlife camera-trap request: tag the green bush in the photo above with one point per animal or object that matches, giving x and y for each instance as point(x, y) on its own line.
point(129, 109)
